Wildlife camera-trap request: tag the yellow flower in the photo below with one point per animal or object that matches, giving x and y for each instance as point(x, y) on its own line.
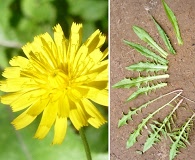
point(61, 79)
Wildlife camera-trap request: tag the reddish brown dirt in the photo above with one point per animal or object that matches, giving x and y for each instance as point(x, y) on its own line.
point(125, 14)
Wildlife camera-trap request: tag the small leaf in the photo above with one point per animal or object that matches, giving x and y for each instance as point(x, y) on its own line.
point(133, 136)
point(164, 37)
point(147, 66)
point(180, 137)
point(158, 128)
point(146, 52)
point(128, 83)
point(143, 35)
point(132, 112)
point(145, 90)
point(173, 21)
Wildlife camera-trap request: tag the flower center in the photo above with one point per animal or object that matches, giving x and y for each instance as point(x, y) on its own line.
point(57, 79)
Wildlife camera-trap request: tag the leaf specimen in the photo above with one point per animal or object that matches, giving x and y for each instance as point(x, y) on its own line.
point(143, 35)
point(164, 37)
point(137, 132)
point(157, 66)
point(145, 90)
point(173, 21)
point(127, 117)
point(147, 66)
point(132, 82)
point(146, 52)
point(180, 137)
point(158, 128)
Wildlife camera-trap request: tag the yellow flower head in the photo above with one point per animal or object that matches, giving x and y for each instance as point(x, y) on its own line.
point(60, 78)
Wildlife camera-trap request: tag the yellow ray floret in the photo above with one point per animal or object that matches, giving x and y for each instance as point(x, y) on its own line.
point(59, 78)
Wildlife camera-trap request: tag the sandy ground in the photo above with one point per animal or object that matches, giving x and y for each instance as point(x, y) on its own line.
point(125, 14)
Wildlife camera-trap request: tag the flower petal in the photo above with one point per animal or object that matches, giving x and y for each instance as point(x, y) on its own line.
point(78, 117)
point(100, 98)
point(60, 130)
point(96, 40)
point(47, 120)
point(96, 119)
point(23, 120)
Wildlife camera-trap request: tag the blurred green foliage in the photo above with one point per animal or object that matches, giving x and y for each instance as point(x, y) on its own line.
point(20, 22)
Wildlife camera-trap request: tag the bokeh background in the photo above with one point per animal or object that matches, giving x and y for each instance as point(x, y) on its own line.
point(20, 21)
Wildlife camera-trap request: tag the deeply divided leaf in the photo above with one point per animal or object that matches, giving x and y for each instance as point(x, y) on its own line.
point(146, 52)
point(145, 90)
point(148, 67)
point(132, 112)
point(128, 83)
point(133, 136)
point(173, 21)
point(143, 35)
point(164, 37)
point(159, 129)
point(180, 137)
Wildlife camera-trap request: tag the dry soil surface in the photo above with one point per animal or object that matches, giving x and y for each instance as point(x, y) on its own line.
point(125, 14)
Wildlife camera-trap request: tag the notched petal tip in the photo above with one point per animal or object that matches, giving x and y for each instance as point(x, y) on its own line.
point(41, 132)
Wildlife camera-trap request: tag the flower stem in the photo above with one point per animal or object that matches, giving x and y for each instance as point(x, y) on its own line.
point(85, 143)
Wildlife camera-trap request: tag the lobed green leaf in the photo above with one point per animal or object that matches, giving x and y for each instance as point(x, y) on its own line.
point(132, 112)
point(173, 21)
point(180, 137)
point(147, 66)
point(159, 128)
point(145, 90)
point(133, 136)
point(143, 35)
point(128, 83)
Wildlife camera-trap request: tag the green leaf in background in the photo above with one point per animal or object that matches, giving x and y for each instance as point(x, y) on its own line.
point(38, 10)
point(20, 145)
point(173, 21)
point(164, 37)
point(143, 35)
point(88, 9)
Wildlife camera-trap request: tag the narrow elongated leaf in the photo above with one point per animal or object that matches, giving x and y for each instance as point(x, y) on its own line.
point(133, 136)
point(128, 83)
point(147, 66)
point(145, 90)
point(173, 21)
point(164, 37)
point(180, 137)
point(146, 52)
point(143, 35)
